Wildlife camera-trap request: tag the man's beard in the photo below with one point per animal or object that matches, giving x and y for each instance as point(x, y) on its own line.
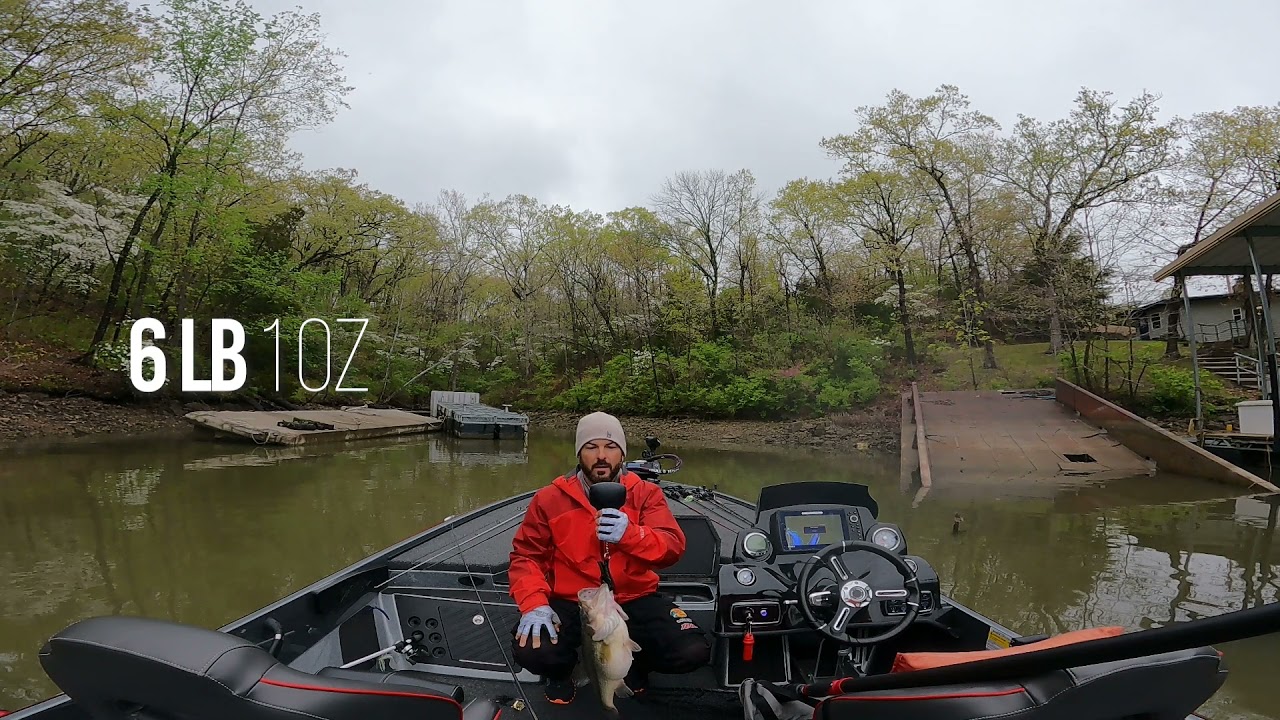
point(592, 477)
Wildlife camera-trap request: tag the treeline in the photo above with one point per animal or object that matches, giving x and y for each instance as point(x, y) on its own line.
point(144, 172)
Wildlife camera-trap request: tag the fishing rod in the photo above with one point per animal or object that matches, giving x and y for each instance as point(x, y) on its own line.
point(515, 676)
point(649, 467)
point(1205, 632)
point(483, 534)
point(404, 647)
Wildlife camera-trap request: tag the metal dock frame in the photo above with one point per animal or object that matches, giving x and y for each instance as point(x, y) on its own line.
point(464, 416)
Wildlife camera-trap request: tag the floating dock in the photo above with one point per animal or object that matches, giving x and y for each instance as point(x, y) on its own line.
point(298, 427)
point(464, 416)
point(1057, 436)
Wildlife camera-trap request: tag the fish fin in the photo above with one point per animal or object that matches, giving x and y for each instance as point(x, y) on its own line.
point(604, 631)
point(623, 691)
point(634, 646)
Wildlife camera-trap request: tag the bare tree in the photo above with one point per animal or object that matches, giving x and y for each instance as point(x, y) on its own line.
point(700, 209)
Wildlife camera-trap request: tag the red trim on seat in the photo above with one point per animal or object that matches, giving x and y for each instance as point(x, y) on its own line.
point(354, 691)
point(943, 696)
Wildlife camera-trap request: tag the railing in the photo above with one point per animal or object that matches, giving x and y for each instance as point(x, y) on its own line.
point(1247, 364)
point(1215, 332)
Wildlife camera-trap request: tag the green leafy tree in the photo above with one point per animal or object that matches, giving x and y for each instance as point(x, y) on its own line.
point(219, 72)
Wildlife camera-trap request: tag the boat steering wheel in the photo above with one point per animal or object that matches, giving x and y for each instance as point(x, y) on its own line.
point(855, 595)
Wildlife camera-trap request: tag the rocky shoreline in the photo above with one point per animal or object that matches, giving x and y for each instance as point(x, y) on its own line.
point(47, 399)
point(30, 420)
point(876, 428)
point(34, 418)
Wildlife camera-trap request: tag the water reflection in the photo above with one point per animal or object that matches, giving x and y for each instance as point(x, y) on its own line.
point(204, 533)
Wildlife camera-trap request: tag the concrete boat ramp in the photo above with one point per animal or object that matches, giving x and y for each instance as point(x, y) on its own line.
point(998, 437)
point(1052, 436)
point(297, 427)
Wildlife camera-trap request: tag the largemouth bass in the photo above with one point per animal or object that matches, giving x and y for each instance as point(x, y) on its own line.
point(607, 647)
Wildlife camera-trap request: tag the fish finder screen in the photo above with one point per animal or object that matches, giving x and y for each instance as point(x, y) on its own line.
point(805, 532)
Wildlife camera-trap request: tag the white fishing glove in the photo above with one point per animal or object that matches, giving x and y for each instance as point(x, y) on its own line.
point(532, 623)
point(611, 525)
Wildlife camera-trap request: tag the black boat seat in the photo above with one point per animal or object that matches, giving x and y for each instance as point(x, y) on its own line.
point(128, 667)
point(1168, 686)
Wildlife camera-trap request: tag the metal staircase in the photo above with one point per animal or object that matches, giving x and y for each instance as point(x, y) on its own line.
point(1238, 368)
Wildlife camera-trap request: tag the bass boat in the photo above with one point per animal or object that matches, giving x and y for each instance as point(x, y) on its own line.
point(815, 605)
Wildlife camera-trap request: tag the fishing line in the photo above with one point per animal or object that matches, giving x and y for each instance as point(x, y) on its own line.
point(486, 534)
point(515, 676)
point(712, 505)
point(722, 522)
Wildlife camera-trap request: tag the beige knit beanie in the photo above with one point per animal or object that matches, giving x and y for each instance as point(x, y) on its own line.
point(600, 426)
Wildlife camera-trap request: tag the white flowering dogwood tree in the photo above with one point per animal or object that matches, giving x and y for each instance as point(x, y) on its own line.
point(56, 243)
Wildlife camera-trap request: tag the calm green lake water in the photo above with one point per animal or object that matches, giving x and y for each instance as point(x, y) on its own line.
point(204, 533)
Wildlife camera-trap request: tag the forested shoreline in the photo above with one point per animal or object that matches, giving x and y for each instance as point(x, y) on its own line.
point(145, 172)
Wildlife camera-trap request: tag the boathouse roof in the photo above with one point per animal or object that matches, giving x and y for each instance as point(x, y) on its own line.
point(1226, 252)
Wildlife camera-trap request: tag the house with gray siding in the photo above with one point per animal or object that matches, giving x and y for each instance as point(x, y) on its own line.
point(1217, 317)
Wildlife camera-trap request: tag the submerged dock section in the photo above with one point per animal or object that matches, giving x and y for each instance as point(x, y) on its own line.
point(1045, 435)
point(464, 416)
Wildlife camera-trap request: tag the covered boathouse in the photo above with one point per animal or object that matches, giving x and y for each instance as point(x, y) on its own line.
point(1249, 247)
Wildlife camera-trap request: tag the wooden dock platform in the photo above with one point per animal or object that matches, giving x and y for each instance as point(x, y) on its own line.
point(297, 427)
point(1237, 441)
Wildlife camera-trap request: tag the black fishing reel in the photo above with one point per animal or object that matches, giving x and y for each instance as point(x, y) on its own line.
point(649, 466)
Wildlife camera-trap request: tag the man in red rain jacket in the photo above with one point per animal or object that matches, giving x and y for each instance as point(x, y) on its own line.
point(558, 549)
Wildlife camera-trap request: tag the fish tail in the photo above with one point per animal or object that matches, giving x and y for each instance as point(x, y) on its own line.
point(608, 691)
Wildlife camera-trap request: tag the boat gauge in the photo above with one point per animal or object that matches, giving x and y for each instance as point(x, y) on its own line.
point(755, 545)
point(911, 564)
point(745, 576)
point(886, 537)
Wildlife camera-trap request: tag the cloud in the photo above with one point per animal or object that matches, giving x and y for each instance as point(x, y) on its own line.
point(593, 104)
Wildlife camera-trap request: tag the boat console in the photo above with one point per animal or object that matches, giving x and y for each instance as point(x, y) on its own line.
point(851, 564)
point(817, 564)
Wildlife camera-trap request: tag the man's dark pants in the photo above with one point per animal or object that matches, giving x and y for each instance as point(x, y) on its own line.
point(670, 642)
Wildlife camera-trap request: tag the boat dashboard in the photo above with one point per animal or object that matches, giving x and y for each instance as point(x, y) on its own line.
point(834, 569)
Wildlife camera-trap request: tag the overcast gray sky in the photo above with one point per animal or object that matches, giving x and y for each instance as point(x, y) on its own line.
point(592, 104)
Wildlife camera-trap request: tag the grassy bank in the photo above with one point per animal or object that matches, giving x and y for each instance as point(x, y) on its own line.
point(1135, 375)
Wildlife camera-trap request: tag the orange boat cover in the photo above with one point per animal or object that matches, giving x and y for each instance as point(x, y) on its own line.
point(906, 662)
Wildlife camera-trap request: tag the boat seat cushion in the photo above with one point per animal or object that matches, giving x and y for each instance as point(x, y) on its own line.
point(906, 662)
point(122, 667)
point(1168, 686)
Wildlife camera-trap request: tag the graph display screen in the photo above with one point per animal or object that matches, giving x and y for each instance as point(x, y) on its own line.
point(812, 530)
